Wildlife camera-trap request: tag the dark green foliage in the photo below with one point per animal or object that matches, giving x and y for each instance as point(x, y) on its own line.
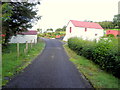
point(111, 24)
point(61, 29)
point(110, 35)
point(116, 20)
point(107, 24)
point(51, 35)
point(50, 29)
point(104, 53)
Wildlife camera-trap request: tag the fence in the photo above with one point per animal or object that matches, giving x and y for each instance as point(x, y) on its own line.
point(27, 47)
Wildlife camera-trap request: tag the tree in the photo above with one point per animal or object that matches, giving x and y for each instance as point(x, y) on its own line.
point(61, 29)
point(106, 24)
point(39, 30)
point(64, 28)
point(20, 18)
point(116, 21)
point(7, 12)
point(58, 30)
point(50, 29)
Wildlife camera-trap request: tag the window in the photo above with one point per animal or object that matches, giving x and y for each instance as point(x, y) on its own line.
point(95, 34)
point(85, 29)
point(70, 29)
point(118, 35)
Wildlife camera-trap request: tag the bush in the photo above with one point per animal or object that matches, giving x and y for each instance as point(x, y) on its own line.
point(104, 53)
point(110, 35)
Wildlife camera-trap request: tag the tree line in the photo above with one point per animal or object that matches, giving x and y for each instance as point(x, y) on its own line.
point(57, 30)
point(115, 24)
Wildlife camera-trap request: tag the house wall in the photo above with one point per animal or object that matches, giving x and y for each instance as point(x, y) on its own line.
point(23, 39)
point(114, 32)
point(80, 32)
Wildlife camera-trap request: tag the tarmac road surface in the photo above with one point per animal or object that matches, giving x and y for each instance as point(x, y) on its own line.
point(51, 69)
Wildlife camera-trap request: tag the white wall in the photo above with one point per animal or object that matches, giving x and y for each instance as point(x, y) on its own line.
point(80, 32)
point(68, 34)
point(23, 39)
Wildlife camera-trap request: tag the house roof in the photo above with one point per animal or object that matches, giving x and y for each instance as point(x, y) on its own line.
point(86, 24)
point(31, 32)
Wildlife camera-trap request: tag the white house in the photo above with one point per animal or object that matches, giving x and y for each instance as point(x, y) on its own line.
point(29, 36)
point(84, 30)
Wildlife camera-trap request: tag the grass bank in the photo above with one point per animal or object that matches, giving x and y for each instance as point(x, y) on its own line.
point(12, 65)
point(97, 77)
point(113, 29)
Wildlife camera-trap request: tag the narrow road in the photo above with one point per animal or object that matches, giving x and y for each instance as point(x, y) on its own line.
point(51, 69)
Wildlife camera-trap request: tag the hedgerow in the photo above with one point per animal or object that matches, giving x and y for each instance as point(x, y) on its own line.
point(104, 53)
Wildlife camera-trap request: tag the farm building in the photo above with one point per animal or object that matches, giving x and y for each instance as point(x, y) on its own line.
point(84, 30)
point(114, 32)
point(29, 36)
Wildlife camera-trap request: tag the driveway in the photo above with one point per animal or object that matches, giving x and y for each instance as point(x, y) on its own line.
point(51, 69)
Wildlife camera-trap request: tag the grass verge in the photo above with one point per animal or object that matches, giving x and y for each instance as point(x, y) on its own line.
point(12, 65)
point(97, 77)
point(113, 29)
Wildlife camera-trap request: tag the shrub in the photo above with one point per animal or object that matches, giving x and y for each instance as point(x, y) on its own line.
point(110, 35)
point(104, 53)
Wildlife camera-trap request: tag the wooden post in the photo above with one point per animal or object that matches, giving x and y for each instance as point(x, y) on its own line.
point(34, 41)
point(26, 46)
point(18, 50)
point(25, 51)
point(31, 43)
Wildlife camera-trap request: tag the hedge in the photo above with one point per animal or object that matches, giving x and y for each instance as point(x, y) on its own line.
point(105, 53)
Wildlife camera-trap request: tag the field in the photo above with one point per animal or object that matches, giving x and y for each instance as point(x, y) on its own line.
point(12, 65)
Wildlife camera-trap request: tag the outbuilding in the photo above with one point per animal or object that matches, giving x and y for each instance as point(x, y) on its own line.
point(84, 30)
point(29, 36)
point(113, 32)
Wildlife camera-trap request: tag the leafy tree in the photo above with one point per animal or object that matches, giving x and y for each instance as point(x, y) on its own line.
point(50, 29)
point(7, 12)
point(39, 30)
point(61, 29)
point(58, 30)
point(106, 24)
point(116, 21)
point(18, 19)
point(64, 28)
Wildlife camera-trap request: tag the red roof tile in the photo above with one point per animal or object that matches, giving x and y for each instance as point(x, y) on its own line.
point(86, 24)
point(32, 32)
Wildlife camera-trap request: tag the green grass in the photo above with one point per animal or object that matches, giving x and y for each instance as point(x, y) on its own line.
point(97, 77)
point(63, 32)
point(12, 65)
point(113, 29)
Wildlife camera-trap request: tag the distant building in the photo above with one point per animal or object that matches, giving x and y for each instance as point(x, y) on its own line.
point(113, 32)
point(84, 30)
point(29, 36)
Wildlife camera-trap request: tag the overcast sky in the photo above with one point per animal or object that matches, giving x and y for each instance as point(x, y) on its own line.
point(57, 13)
